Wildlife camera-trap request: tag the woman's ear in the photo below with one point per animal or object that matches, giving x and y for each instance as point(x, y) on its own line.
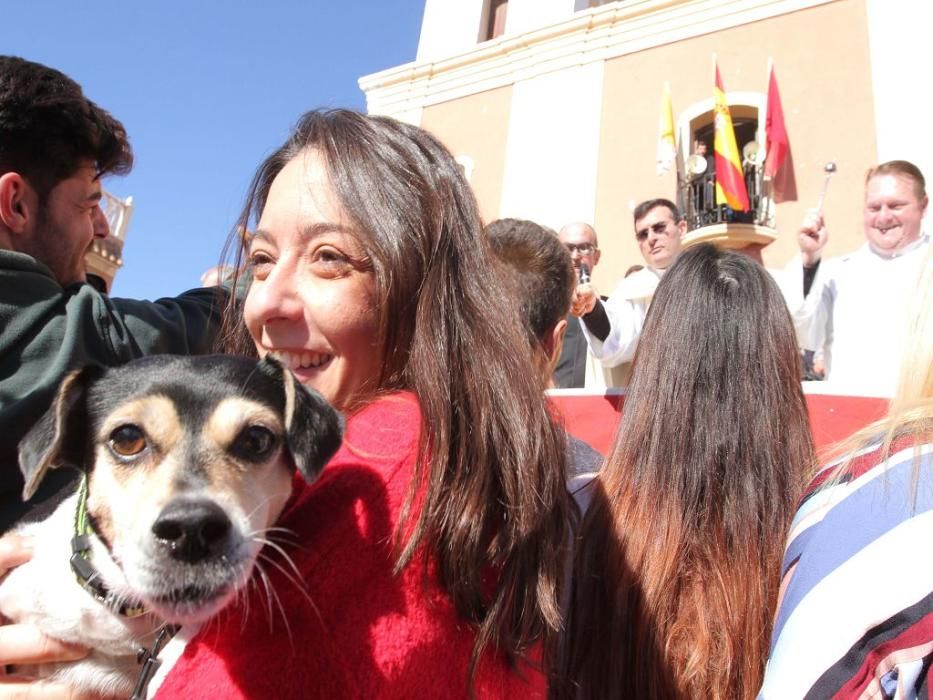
point(18, 203)
point(554, 341)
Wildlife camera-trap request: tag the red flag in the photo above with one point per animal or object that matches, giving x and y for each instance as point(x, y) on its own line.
point(775, 133)
point(730, 179)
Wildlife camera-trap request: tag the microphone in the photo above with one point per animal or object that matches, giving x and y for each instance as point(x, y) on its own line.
point(584, 274)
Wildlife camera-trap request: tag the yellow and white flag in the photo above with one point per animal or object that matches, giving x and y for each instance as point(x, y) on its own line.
point(667, 148)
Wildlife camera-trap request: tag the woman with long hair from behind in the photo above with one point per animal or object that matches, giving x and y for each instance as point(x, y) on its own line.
point(856, 612)
point(677, 568)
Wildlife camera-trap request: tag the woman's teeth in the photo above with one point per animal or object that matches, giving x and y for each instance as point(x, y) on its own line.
point(299, 360)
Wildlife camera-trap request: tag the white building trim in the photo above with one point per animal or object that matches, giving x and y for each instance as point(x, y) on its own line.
point(604, 32)
point(550, 138)
point(898, 36)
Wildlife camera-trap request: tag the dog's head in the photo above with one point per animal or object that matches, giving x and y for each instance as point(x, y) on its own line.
point(189, 461)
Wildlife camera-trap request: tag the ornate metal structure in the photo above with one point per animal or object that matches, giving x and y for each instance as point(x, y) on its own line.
point(707, 221)
point(106, 255)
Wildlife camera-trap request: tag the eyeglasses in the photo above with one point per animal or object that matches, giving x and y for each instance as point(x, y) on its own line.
point(660, 229)
point(581, 248)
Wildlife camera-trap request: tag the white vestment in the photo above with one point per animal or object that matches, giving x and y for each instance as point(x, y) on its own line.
point(856, 312)
point(626, 309)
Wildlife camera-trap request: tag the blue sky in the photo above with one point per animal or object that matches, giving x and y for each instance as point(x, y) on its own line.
point(206, 90)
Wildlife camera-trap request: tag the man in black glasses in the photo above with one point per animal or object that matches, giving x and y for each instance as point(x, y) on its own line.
point(575, 368)
point(612, 327)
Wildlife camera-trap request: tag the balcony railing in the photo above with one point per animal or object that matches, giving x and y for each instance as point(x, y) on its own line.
point(719, 223)
point(700, 208)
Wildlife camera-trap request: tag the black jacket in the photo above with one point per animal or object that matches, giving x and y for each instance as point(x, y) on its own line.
point(46, 331)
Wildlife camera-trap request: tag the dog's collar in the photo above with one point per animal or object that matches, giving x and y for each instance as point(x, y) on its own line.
point(89, 578)
point(149, 661)
point(85, 571)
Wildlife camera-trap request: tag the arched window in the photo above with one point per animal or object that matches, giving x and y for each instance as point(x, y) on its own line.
point(696, 135)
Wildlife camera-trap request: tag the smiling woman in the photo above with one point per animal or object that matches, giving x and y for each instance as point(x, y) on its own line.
point(312, 299)
point(432, 547)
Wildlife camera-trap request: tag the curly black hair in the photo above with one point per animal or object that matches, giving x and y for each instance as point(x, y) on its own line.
point(48, 128)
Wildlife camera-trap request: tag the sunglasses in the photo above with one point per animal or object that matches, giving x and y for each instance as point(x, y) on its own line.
point(660, 229)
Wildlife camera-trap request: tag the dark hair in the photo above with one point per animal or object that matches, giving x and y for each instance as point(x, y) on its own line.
point(48, 127)
point(902, 168)
point(488, 494)
point(679, 566)
point(539, 269)
point(642, 209)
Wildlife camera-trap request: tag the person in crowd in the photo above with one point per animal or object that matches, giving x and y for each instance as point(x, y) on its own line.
point(575, 367)
point(612, 328)
point(855, 617)
point(676, 573)
point(703, 182)
point(55, 146)
point(540, 271)
point(854, 308)
point(427, 560)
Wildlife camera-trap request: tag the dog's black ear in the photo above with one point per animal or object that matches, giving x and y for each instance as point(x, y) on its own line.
point(313, 428)
point(60, 436)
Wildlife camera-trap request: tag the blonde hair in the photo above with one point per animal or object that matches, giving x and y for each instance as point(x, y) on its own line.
point(900, 168)
point(916, 377)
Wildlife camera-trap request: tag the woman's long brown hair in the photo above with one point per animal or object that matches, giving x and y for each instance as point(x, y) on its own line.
point(677, 569)
point(487, 502)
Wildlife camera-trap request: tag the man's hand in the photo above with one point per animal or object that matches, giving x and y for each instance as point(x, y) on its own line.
point(812, 238)
point(25, 644)
point(584, 299)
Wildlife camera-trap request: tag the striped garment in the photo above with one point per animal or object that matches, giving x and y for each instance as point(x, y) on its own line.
point(855, 617)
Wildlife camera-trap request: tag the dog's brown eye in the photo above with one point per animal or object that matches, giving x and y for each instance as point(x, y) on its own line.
point(254, 442)
point(127, 441)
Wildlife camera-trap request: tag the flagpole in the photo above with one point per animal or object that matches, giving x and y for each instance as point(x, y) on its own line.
point(767, 88)
point(767, 185)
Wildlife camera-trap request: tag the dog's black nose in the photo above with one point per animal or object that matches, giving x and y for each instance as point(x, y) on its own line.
point(192, 530)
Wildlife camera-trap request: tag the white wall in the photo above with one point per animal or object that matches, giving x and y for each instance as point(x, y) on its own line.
point(449, 27)
point(527, 15)
point(553, 147)
point(901, 64)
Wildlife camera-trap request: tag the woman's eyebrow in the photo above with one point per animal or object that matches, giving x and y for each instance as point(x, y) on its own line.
point(259, 234)
point(308, 232)
point(322, 227)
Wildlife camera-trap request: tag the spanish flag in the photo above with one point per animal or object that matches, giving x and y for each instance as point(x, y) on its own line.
point(730, 180)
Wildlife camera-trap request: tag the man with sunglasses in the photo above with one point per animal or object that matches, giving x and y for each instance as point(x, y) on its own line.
point(612, 328)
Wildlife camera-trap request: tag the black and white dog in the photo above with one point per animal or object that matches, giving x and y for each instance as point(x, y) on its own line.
point(188, 461)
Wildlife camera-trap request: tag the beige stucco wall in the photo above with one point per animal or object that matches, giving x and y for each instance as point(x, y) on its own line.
point(823, 70)
point(477, 127)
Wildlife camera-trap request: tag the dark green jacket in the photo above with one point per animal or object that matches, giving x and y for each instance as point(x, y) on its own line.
point(47, 331)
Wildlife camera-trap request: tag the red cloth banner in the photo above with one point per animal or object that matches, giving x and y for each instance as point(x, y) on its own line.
point(775, 132)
